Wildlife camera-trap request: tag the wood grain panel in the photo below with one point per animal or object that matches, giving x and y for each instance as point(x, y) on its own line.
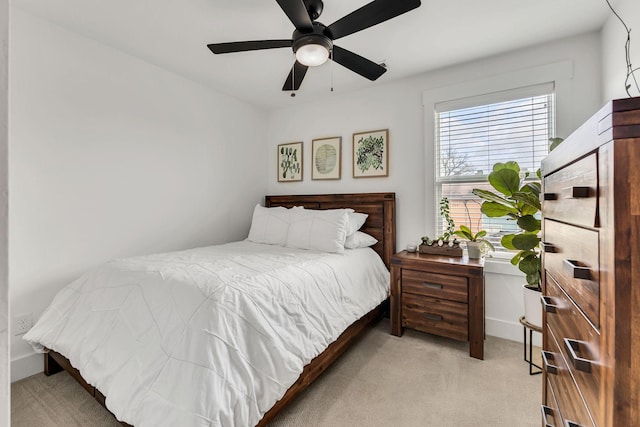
point(570, 402)
point(452, 288)
point(569, 322)
point(565, 185)
point(436, 316)
point(574, 246)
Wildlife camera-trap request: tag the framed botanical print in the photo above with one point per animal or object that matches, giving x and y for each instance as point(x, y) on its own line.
point(371, 154)
point(326, 158)
point(290, 162)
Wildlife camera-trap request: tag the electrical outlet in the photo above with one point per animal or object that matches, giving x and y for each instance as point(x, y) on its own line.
point(22, 323)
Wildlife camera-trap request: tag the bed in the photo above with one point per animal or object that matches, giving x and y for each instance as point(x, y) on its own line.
point(253, 347)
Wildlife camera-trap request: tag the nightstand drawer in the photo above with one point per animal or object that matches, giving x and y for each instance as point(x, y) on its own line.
point(571, 193)
point(571, 257)
point(436, 316)
point(434, 285)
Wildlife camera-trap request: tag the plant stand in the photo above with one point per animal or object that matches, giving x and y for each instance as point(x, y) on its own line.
point(526, 325)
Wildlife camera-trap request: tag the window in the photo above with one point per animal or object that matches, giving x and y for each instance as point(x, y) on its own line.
point(473, 134)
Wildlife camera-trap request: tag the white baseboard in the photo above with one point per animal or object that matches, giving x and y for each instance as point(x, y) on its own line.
point(26, 366)
point(509, 330)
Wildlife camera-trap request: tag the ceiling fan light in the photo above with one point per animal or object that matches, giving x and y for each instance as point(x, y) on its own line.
point(312, 54)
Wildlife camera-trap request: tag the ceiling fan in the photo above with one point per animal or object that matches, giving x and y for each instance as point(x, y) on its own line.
point(312, 41)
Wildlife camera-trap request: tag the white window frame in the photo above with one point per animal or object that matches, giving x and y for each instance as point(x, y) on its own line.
point(544, 89)
point(560, 73)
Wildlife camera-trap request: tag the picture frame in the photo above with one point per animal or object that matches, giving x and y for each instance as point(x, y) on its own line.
point(371, 154)
point(326, 158)
point(290, 162)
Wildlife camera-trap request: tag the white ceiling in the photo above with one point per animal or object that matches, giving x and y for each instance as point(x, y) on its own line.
point(173, 34)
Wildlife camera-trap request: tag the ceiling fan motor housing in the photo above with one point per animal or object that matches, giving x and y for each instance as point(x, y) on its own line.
point(317, 37)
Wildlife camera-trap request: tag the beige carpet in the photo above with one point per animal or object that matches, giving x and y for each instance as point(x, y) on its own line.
point(416, 380)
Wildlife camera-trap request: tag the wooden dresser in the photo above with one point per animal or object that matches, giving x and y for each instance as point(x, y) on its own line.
point(440, 295)
point(591, 280)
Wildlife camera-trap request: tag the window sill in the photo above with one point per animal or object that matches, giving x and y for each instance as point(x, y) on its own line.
point(501, 265)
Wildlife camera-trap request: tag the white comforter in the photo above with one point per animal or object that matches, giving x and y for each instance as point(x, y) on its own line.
point(212, 336)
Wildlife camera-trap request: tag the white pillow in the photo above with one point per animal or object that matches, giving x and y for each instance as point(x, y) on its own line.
point(359, 240)
point(270, 225)
point(321, 230)
point(356, 221)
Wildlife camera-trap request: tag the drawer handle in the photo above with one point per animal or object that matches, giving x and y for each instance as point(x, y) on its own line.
point(549, 248)
point(549, 196)
point(547, 306)
point(432, 285)
point(576, 271)
point(579, 363)
point(576, 192)
point(551, 369)
point(570, 423)
point(429, 316)
point(546, 411)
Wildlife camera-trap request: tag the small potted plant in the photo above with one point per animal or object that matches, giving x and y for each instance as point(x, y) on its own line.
point(476, 245)
point(445, 244)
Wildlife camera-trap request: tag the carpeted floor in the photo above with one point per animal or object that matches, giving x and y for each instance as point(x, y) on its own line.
point(416, 380)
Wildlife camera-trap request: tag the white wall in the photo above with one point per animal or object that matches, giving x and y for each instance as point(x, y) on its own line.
point(614, 37)
point(399, 107)
point(4, 102)
point(111, 156)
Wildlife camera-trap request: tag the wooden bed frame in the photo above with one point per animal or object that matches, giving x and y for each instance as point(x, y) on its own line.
point(381, 224)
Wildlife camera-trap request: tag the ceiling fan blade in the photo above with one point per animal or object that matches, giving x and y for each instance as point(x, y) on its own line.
point(369, 15)
point(296, 75)
point(297, 13)
point(357, 63)
point(248, 45)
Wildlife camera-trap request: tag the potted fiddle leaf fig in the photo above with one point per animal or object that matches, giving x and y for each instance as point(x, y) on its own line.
point(519, 200)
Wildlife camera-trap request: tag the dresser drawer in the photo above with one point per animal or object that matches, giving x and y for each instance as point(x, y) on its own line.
point(571, 256)
point(571, 406)
point(435, 285)
point(578, 342)
point(570, 194)
point(550, 413)
point(436, 316)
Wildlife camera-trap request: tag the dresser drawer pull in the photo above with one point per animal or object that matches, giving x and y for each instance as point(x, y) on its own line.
point(570, 423)
point(576, 192)
point(432, 285)
point(551, 369)
point(428, 316)
point(548, 248)
point(576, 271)
point(579, 363)
point(546, 411)
point(549, 196)
point(547, 306)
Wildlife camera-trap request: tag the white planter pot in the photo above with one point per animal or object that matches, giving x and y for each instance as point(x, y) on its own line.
point(474, 250)
point(532, 306)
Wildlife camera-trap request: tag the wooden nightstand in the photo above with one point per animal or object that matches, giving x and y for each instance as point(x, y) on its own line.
point(440, 295)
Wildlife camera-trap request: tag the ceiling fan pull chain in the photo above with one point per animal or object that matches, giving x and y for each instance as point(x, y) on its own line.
point(331, 69)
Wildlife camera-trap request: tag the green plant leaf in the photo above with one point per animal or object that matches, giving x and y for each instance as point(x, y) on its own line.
point(496, 210)
point(506, 181)
point(490, 196)
point(507, 241)
point(529, 223)
point(480, 233)
point(554, 142)
point(529, 264)
point(463, 234)
point(508, 165)
point(525, 241)
point(528, 198)
point(533, 279)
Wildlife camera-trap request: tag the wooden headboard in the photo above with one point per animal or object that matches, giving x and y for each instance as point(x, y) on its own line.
point(381, 208)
